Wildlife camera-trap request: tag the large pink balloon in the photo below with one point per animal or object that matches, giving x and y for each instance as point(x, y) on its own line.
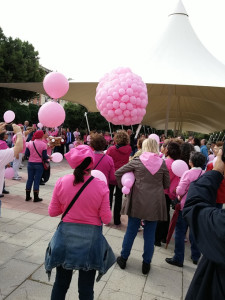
point(56, 85)
point(57, 157)
point(154, 137)
point(9, 116)
point(179, 167)
point(51, 114)
point(121, 97)
point(9, 173)
point(128, 179)
point(98, 174)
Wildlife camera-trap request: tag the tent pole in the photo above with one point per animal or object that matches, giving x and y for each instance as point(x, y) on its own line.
point(138, 130)
point(85, 114)
point(110, 130)
point(168, 109)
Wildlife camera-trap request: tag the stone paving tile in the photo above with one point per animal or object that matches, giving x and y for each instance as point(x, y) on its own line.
point(123, 281)
point(31, 290)
point(26, 237)
point(4, 236)
point(14, 226)
point(164, 283)
point(13, 273)
point(146, 296)
point(117, 295)
point(47, 223)
point(34, 253)
point(7, 251)
point(11, 213)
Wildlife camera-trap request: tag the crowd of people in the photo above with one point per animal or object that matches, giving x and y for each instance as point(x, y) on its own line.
point(148, 205)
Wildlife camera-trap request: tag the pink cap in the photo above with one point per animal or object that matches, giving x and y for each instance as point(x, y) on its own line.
point(76, 155)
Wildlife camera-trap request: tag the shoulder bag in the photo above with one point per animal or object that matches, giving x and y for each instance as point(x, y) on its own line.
point(46, 163)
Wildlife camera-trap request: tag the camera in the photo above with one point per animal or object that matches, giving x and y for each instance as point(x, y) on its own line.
point(8, 127)
point(223, 153)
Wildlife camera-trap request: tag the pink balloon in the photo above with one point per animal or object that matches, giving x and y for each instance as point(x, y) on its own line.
point(122, 92)
point(179, 167)
point(98, 174)
point(128, 179)
point(125, 190)
point(51, 114)
point(9, 116)
point(40, 125)
point(56, 85)
point(154, 137)
point(9, 173)
point(57, 157)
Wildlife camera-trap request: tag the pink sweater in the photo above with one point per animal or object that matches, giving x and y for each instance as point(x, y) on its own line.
point(185, 182)
point(92, 206)
point(40, 146)
point(174, 180)
point(106, 166)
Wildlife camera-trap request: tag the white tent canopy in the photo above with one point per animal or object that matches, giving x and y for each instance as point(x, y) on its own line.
point(186, 84)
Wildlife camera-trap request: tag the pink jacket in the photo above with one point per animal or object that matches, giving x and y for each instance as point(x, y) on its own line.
point(40, 146)
point(174, 180)
point(185, 182)
point(106, 166)
point(92, 206)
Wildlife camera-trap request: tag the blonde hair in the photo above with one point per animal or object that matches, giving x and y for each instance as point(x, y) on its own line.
point(150, 145)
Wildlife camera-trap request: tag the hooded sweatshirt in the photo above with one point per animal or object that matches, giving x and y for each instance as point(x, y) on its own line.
point(120, 155)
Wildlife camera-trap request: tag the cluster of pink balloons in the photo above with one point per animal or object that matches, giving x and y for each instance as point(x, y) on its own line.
point(127, 181)
point(52, 114)
point(121, 97)
point(9, 116)
point(179, 167)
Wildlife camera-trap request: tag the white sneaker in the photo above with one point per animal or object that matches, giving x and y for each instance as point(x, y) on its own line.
point(17, 178)
point(21, 165)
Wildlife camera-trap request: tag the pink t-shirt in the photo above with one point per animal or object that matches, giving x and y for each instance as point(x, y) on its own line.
point(3, 145)
point(92, 206)
point(40, 146)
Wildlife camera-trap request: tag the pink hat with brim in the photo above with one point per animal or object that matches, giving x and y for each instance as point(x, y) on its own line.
point(76, 156)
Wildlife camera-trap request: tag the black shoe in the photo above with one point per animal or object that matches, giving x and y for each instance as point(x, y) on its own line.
point(5, 192)
point(158, 244)
point(42, 183)
point(1, 195)
point(173, 262)
point(145, 268)
point(195, 261)
point(122, 262)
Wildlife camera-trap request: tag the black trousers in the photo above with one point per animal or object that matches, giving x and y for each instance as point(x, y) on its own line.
point(163, 226)
point(118, 203)
point(62, 283)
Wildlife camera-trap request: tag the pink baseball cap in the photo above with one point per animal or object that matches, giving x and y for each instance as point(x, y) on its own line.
point(76, 156)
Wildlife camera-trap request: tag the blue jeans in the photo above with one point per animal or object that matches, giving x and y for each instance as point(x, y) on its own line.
point(35, 171)
point(62, 283)
point(149, 238)
point(180, 231)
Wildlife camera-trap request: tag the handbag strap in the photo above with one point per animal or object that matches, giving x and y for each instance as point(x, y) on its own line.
point(36, 150)
point(76, 196)
point(99, 162)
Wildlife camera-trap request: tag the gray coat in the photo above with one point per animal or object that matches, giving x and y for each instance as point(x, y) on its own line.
point(146, 199)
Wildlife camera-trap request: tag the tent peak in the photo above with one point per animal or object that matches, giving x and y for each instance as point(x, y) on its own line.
point(179, 9)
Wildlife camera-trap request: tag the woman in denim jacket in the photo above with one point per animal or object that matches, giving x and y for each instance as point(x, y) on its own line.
point(79, 243)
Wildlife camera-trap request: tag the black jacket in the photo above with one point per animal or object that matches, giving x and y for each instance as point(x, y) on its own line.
point(207, 224)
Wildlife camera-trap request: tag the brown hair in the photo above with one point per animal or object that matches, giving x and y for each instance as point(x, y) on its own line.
point(98, 142)
point(219, 144)
point(140, 142)
point(122, 138)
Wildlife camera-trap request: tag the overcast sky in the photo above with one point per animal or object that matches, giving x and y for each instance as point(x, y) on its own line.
point(85, 39)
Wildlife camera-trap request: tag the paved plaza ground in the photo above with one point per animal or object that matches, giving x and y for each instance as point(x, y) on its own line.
point(26, 228)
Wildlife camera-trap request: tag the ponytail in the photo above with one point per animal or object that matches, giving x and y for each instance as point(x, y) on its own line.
point(80, 171)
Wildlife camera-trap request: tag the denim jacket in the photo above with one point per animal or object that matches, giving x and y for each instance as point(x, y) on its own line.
point(76, 246)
